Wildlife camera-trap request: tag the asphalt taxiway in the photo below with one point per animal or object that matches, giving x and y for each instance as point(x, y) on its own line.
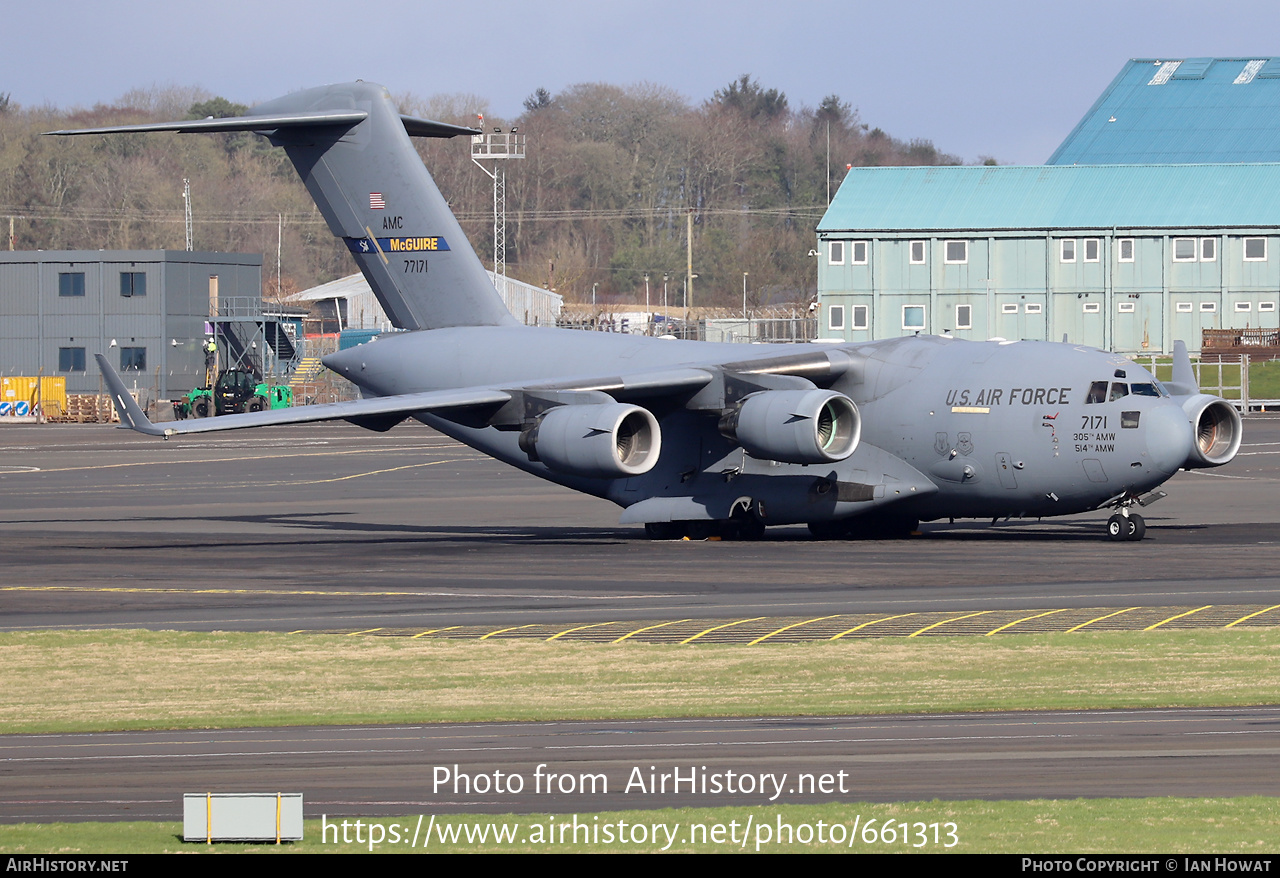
point(609, 765)
point(335, 528)
point(331, 528)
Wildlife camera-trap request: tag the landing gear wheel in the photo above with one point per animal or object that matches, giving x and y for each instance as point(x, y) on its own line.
point(747, 527)
point(1126, 527)
point(1137, 528)
point(1117, 528)
point(663, 530)
point(829, 530)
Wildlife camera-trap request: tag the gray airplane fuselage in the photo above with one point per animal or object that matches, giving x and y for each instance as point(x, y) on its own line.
point(978, 429)
point(694, 438)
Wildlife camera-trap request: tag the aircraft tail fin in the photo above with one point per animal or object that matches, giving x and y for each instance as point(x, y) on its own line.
point(351, 147)
point(131, 414)
point(1184, 377)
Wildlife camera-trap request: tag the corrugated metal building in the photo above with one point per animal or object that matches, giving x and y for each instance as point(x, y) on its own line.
point(144, 309)
point(349, 303)
point(1177, 111)
point(1149, 225)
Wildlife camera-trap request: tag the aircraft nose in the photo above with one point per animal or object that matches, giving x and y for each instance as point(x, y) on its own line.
point(1169, 437)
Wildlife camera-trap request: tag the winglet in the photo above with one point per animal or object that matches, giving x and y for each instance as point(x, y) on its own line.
point(1184, 378)
point(131, 414)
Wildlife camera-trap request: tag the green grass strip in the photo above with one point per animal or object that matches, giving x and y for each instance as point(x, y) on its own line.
point(1076, 826)
point(107, 680)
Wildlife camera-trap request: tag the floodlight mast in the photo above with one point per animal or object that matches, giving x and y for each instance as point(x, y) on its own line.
point(498, 146)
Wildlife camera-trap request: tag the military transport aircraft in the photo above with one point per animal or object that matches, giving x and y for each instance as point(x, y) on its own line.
point(695, 438)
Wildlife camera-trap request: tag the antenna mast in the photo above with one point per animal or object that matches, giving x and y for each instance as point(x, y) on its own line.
point(497, 147)
point(186, 201)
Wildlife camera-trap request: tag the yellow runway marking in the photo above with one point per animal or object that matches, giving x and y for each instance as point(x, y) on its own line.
point(1179, 616)
point(434, 631)
point(579, 628)
point(1100, 618)
point(788, 628)
point(1251, 615)
point(718, 627)
point(872, 622)
point(945, 621)
point(650, 628)
point(1020, 621)
point(366, 631)
point(505, 630)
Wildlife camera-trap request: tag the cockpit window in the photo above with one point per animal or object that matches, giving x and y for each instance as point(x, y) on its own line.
point(1143, 390)
point(1097, 393)
point(1118, 390)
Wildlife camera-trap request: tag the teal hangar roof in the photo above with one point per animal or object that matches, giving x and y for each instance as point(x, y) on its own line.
point(1048, 198)
point(1180, 111)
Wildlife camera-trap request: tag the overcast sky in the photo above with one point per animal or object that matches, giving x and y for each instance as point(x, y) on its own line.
point(981, 78)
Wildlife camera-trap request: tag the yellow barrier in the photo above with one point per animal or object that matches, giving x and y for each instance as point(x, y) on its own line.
point(51, 390)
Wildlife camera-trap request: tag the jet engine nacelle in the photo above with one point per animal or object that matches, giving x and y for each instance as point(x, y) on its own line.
point(795, 426)
point(1216, 428)
point(606, 441)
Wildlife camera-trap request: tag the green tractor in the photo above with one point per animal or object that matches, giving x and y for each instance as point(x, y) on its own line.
point(236, 391)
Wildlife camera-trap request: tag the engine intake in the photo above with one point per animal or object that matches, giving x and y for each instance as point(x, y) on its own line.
point(1218, 430)
point(608, 441)
point(795, 426)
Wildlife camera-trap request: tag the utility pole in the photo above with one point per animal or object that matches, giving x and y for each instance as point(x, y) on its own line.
point(689, 275)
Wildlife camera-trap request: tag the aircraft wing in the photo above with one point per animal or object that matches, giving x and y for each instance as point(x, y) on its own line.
point(375, 409)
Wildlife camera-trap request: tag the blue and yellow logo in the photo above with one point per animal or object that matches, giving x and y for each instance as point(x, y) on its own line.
point(425, 244)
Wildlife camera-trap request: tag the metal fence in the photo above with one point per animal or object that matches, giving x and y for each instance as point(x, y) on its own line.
point(1227, 376)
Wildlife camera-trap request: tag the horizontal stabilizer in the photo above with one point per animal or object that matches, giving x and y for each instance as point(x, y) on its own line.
point(274, 122)
point(407, 404)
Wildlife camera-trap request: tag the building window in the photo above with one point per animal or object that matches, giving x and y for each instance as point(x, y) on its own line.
point(1244, 306)
point(1126, 307)
point(1009, 308)
point(1184, 307)
point(1126, 249)
point(917, 252)
point(133, 283)
point(1209, 307)
point(913, 317)
point(837, 253)
point(1093, 307)
point(71, 283)
point(1208, 249)
point(957, 252)
point(1266, 306)
point(70, 359)
point(1184, 249)
point(858, 253)
point(1068, 250)
point(1255, 249)
point(860, 315)
point(1034, 308)
point(964, 317)
point(835, 317)
point(1092, 249)
point(133, 359)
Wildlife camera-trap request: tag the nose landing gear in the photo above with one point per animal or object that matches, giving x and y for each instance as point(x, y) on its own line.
point(1126, 526)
